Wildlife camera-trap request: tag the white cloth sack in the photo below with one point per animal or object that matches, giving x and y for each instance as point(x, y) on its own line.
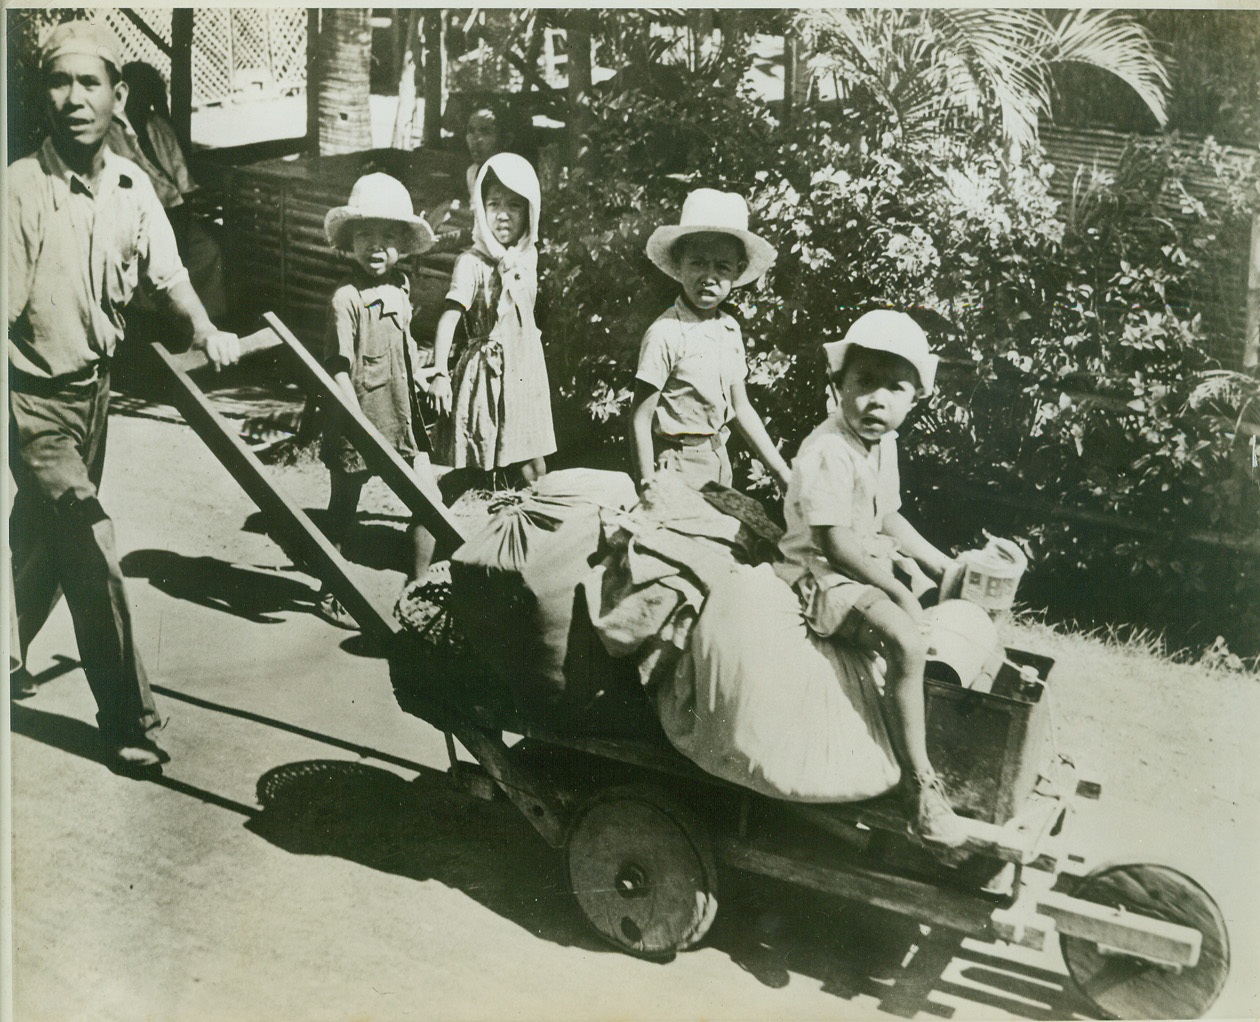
point(761, 701)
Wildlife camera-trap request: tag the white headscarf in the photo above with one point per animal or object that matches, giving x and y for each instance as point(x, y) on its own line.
point(512, 172)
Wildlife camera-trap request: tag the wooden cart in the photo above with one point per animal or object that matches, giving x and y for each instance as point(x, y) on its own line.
point(646, 833)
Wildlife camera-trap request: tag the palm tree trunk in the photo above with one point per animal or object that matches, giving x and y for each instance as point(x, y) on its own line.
point(406, 77)
point(434, 76)
point(796, 74)
point(343, 88)
point(579, 26)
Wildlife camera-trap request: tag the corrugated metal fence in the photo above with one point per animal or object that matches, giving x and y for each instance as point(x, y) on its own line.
point(1225, 309)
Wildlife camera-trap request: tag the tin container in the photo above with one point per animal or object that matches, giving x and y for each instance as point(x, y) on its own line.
point(991, 747)
point(990, 576)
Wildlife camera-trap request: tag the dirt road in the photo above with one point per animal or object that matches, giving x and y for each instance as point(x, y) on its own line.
point(368, 889)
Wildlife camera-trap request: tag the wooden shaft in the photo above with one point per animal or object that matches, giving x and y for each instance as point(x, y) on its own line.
point(1124, 932)
point(525, 790)
point(193, 359)
point(936, 906)
point(288, 519)
point(379, 456)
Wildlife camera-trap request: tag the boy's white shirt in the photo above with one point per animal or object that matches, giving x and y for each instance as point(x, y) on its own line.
point(674, 330)
point(816, 498)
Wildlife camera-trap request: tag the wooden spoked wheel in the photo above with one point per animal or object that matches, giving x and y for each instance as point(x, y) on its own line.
point(643, 871)
point(1120, 986)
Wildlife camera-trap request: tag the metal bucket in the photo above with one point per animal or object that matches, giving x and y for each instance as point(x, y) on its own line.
point(963, 645)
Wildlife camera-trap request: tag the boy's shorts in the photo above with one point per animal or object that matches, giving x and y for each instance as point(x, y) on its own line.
point(836, 606)
point(698, 463)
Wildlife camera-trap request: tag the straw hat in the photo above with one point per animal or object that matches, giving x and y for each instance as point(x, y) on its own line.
point(708, 211)
point(378, 198)
point(893, 332)
point(83, 38)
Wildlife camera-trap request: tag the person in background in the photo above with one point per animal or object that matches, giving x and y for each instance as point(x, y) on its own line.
point(497, 409)
point(370, 354)
point(85, 229)
point(689, 384)
point(142, 132)
point(846, 539)
point(487, 133)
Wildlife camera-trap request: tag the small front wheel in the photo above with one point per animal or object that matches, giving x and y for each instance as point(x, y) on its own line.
point(643, 872)
point(1121, 986)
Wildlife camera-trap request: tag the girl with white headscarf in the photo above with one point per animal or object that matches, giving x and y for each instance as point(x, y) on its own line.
point(496, 408)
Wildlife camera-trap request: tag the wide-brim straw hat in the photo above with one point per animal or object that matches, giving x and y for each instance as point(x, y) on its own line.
point(378, 198)
point(708, 211)
point(893, 332)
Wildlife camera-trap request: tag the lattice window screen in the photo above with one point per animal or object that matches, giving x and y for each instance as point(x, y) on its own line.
point(238, 53)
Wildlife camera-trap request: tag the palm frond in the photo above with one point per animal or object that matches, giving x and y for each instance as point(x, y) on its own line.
point(1112, 41)
point(1001, 51)
point(1228, 389)
point(929, 65)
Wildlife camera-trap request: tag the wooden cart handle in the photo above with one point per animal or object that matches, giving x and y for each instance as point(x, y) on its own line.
point(262, 340)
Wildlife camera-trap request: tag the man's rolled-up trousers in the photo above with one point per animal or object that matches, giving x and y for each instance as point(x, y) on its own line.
point(62, 541)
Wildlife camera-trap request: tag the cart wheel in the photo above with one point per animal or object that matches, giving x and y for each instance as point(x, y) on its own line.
point(643, 872)
point(1124, 987)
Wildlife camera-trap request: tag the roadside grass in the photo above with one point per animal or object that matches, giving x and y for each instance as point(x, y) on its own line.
point(1126, 647)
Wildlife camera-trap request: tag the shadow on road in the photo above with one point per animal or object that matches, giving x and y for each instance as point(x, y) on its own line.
point(425, 830)
point(248, 593)
point(61, 664)
point(80, 739)
point(377, 541)
point(773, 930)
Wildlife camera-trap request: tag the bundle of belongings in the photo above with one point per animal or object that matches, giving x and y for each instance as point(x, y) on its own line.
point(514, 594)
point(601, 611)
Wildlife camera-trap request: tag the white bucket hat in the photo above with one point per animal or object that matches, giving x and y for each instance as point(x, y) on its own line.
point(708, 211)
point(378, 198)
point(893, 332)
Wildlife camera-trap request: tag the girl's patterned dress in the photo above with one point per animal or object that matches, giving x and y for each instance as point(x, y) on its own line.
point(501, 411)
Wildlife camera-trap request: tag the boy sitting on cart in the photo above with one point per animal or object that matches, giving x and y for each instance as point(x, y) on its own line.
point(846, 534)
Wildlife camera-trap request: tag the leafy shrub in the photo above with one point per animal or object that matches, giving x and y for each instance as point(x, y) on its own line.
point(1077, 411)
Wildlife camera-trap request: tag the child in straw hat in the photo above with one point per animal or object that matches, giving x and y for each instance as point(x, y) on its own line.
point(846, 535)
point(368, 350)
point(689, 385)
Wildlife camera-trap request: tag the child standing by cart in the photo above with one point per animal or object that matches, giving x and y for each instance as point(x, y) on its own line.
point(846, 534)
point(496, 410)
point(369, 352)
point(689, 384)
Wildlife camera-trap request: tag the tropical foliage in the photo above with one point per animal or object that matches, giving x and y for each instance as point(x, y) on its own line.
point(937, 71)
point(1077, 412)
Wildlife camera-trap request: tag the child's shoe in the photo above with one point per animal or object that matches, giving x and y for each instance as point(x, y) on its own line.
point(330, 609)
point(935, 822)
